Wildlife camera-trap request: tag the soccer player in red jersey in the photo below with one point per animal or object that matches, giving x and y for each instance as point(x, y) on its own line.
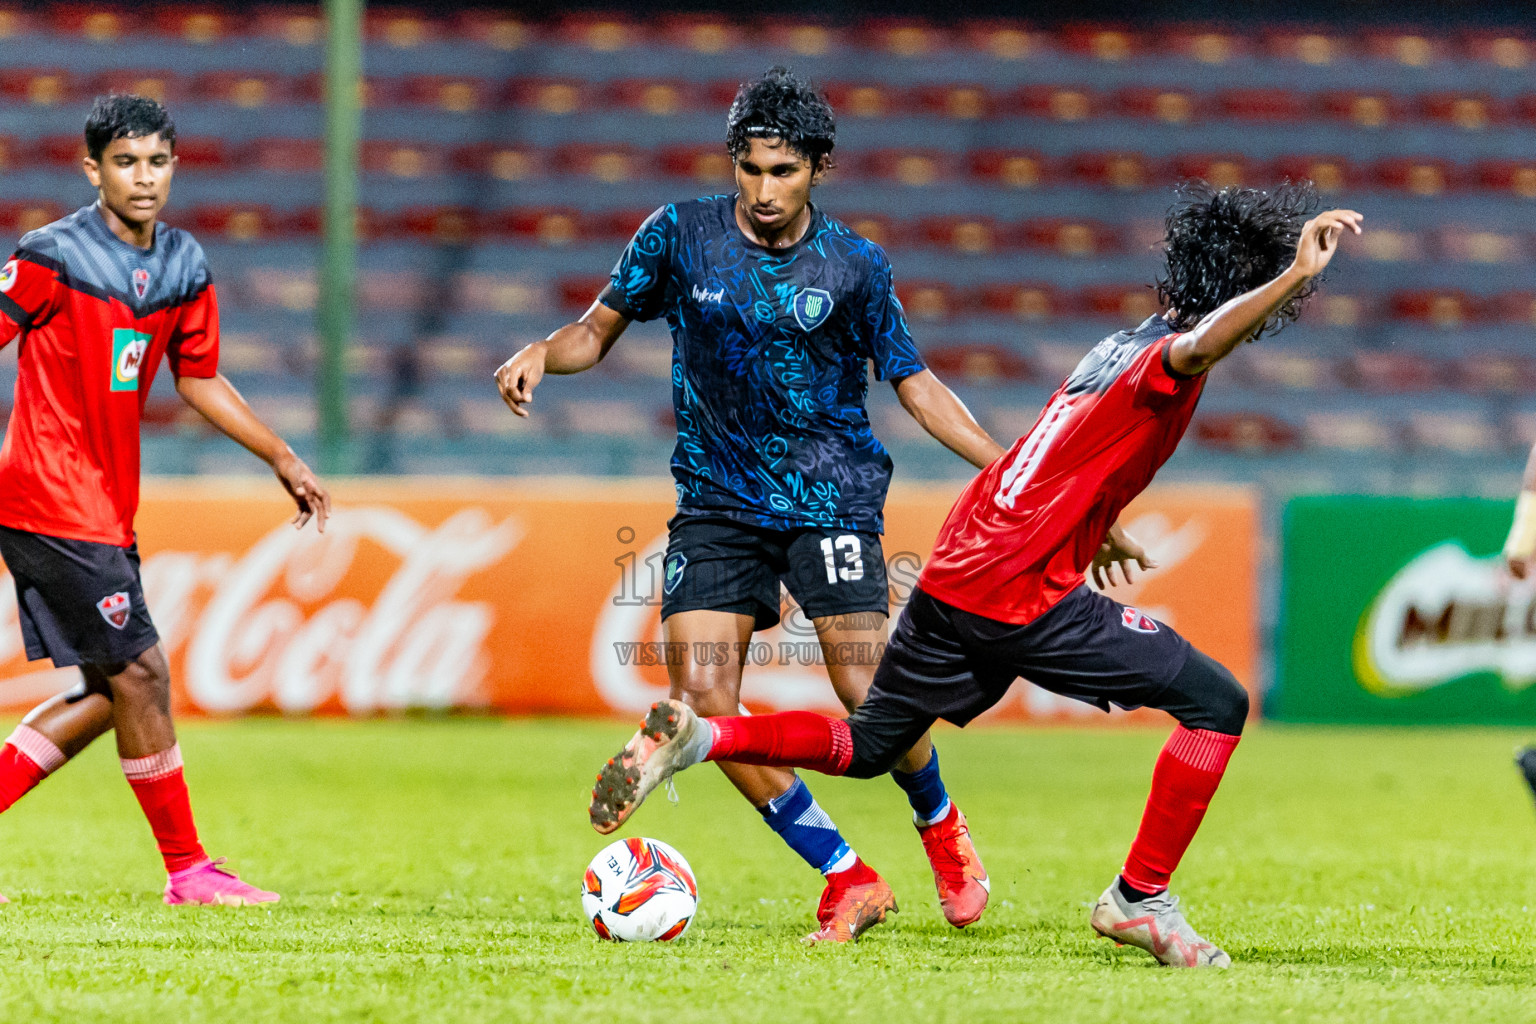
point(1003, 595)
point(96, 300)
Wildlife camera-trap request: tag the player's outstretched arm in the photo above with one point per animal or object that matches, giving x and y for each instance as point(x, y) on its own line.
point(1520, 548)
point(220, 404)
point(575, 347)
point(1229, 326)
point(941, 413)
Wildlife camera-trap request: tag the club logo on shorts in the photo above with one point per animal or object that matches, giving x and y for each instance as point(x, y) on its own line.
point(1131, 618)
point(115, 608)
point(128, 348)
point(812, 306)
point(676, 563)
point(140, 282)
point(8, 276)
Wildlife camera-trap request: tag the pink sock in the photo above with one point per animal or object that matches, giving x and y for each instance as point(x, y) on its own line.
point(1186, 776)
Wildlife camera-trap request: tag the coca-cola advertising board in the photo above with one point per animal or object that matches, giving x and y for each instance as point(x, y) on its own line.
point(1398, 610)
point(536, 597)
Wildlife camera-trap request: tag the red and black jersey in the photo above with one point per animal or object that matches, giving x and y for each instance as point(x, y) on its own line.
point(1021, 535)
point(95, 315)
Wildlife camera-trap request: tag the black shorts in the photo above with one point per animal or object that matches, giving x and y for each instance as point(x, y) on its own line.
point(942, 662)
point(716, 563)
point(80, 603)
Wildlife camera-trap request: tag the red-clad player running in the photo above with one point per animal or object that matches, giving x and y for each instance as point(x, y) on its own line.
point(97, 299)
point(1004, 596)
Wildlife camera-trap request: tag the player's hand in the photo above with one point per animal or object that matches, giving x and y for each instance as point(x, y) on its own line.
point(517, 377)
point(1520, 568)
point(1119, 548)
point(1320, 239)
point(304, 488)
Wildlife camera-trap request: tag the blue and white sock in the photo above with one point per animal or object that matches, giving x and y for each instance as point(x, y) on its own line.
point(925, 792)
point(809, 831)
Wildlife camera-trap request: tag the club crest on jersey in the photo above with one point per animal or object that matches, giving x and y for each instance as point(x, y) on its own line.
point(1131, 618)
point(8, 276)
point(676, 563)
point(812, 306)
point(140, 282)
point(115, 608)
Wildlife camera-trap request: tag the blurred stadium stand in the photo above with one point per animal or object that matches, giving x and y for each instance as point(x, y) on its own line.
point(1017, 175)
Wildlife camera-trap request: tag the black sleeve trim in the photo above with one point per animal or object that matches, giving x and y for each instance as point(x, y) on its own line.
point(614, 300)
point(46, 262)
point(9, 307)
point(1168, 366)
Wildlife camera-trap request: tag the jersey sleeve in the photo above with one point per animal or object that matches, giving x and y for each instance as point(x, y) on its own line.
point(1152, 379)
point(194, 347)
point(891, 347)
point(31, 289)
point(637, 288)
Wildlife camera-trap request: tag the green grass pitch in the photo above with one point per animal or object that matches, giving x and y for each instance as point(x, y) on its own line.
point(430, 871)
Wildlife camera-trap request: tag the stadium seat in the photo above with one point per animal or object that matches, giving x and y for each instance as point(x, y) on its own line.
point(971, 235)
point(558, 96)
point(615, 418)
point(1247, 432)
point(1392, 372)
point(1447, 309)
point(700, 33)
point(1059, 103)
point(498, 30)
point(708, 165)
point(609, 164)
point(98, 24)
point(977, 364)
point(1514, 176)
point(503, 162)
point(915, 167)
point(401, 159)
point(400, 27)
point(19, 218)
point(928, 300)
point(41, 87)
point(1305, 46)
point(448, 93)
point(1010, 168)
point(165, 86)
point(1126, 306)
point(1467, 112)
point(878, 228)
point(1220, 169)
point(61, 151)
point(286, 156)
point(1124, 171)
point(1276, 368)
point(575, 294)
point(439, 225)
point(1464, 432)
point(964, 101)
point(202, 26)
point(604, 33)
point(1026, 301)
point(1362, 109)
point(1165, 105)
point(1278, 105)
point(1328, 172)
point(1496, 373)
point(1425, 177)
point(243, 89)
point(1076, 238)
point(1359, 431)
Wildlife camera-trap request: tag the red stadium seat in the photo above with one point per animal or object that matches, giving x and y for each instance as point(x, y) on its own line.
point(1127, 305)
point(604, 33)
point(700, 33)
point(1470, 245)
point(195, 24)
point(1278, 105)
point(1247, 432)
point(12, 156)
point(1012, 168)
point(1004, 39)
point(1363, 109)
point(1444, 309)
point(962, 101)
point(1124, 171)
point(915, 167)
point(803, 38)
point(62, 151)
point(575, 294)
point(1308, 47)
point(1392, 372)
point(1024, 301)
point(613, 226)
point(1350, 431)
point(505, 163)
point(41, 87)
point(550, 226)
point(882, 230)
point(1055, 102)
point(1106, 43)
point(1422, 177)
point(1079, 238)
point(1277, 368)
point(1410, 49)
point(1219, 169)
point(242, 89)
point(1517, 176)
point(165, 86)
point(863, 99)
point(1508, 50)
point(237, 223)
point(1496, 373)
point(977, 364)
point(972, 235)
point(1511, 308)
point(19, 218)
point(375, 92)
point(448, 93)
point(655, 97)
point(296, 26)
point(1464, 111)
point(928, 300)
point(1467, 433)
point(400, 27)
point(203, 154)
point(1205, 45)
point(1167, 105)
point(608, 164)
point(904, 37)
point(101, 23)
point(286, 156)
point(1328, 173)
point(499, 30)
point(710, 165)
point(14, 22)
point(401, 159)
point(548, 95)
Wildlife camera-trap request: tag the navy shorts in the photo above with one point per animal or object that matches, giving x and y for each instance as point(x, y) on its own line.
point(716, 563)
point(80, 603)
point(942, 662)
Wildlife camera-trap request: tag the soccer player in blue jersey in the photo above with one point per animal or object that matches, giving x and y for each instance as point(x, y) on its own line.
point(777, 310)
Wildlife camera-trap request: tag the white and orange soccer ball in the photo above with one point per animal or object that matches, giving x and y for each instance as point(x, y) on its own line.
point(639, 890)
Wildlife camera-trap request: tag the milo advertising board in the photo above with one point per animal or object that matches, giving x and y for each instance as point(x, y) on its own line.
point(1397, 610)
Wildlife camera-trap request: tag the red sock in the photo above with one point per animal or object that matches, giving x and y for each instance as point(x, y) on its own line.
point(1188, 771)
point(789, 739)
point(27, 758)
point(162, 791)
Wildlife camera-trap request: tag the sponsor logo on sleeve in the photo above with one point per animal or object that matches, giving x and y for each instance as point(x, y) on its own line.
point(8, 276)
point(128, 348)
point(812, 306)
point(115, 608)
point(1133, 619)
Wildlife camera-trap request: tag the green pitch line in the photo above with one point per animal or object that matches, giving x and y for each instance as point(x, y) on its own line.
point(430, 869)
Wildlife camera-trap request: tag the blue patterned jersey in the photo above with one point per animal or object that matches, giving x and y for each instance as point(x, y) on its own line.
point(770, 360)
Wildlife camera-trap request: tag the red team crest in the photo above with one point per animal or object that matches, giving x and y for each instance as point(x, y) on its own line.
point(1131, 618)
point(115, 608)
point(140, 282)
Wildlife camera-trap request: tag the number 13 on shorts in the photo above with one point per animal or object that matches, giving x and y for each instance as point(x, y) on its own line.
point(852, 558)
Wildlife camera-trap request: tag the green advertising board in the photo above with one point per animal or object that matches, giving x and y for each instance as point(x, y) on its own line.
point(1397, 610)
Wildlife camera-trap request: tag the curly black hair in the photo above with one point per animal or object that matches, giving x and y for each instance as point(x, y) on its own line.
point(782, 105)
point(1222, 242)
point(125, 116)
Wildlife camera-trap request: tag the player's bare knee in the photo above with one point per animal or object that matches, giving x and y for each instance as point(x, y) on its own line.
point(710, 693)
